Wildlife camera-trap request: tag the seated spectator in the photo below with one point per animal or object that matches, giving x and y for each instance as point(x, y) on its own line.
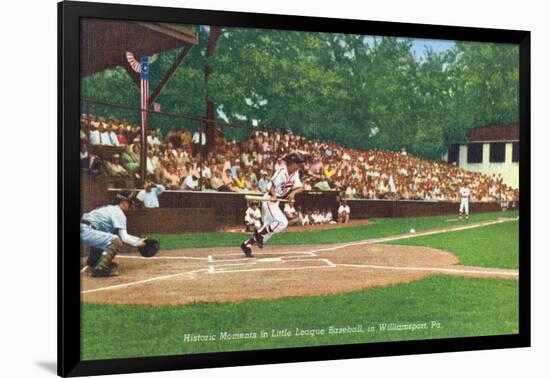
point(113, 138)
point(235, 167)
point(130, 158)
point(328, 217)
point(316, 217)
point(263, 182)
point(291, 213)
point(95, 136)
point(239, 181)
point(253, 217)
point(191, 182)
point(114, 168)
point(152, 163)
point(121, 134)
point(329, 172)
point(350, 192)
point(88, 162)
point(149, 195)
point(322, 185)
point(170, 177)
point(303, 218)
point(343, 212)
point(104, 135)
point(152, 138)
point(216, 183)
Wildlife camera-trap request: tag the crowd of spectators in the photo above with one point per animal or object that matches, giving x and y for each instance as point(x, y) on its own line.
point(174, 160)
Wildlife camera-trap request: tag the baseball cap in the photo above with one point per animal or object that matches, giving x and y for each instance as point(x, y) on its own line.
point(293, 158)
point(126, 195)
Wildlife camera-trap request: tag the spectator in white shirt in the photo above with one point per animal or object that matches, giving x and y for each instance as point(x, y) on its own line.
point(343, 212)
point(95, 138)
point(318, 218)
point(191, 182)
point(113, 139)
point(149, 195)
point(253, 217)
point(198, 139)
point(328, 217)
point(152, 138)
point(104, 135)
point(303, 217)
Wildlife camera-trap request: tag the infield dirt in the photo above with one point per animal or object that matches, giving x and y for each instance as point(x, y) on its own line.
point(185, 276)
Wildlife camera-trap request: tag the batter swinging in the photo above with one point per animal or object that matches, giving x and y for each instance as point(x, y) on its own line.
point(285, 183)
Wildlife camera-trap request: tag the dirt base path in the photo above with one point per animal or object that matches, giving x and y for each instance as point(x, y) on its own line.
point(186, 276)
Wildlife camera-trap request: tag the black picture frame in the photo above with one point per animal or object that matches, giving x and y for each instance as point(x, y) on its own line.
point(69, 15)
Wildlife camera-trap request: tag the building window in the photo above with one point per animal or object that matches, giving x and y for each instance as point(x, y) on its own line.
point(515, 152)
point(497, 152)
point(475, 153)
point(453, 155)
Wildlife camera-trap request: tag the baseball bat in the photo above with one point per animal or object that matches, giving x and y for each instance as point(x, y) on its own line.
point(261, 198)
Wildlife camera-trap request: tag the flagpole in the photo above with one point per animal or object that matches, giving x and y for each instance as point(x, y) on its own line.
point(144, 73)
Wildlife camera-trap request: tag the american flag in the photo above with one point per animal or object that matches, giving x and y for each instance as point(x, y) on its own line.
point(142, 68)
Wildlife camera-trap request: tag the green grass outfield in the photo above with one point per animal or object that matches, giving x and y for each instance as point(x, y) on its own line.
point(381, 227)
point(461, 306)
point(476, 246)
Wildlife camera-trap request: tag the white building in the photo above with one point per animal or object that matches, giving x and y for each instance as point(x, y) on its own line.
point(492, 149)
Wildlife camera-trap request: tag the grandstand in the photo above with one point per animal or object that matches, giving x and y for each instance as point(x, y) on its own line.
point(377, 183)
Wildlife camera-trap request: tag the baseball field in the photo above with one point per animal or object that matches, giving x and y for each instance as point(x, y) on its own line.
point(391, 279)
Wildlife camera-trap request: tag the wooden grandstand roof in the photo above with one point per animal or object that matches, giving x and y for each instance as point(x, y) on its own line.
point(494, 133)
point(103, 43)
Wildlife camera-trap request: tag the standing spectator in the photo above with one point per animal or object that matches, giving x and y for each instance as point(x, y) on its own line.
point(185, 139)
point(149, 195)
point(343, 212)
point(199, 139)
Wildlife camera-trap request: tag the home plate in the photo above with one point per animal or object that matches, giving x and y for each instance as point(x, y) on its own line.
point(271, 259)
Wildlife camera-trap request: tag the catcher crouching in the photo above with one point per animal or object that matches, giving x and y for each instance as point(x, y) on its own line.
point(104, 231)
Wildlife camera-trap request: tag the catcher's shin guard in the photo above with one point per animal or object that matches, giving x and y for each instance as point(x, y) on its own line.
point(104, 263)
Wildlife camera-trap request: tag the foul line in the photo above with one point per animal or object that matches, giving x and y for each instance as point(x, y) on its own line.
point(161, 257)
point(141, 282)
point(408, 236)
point(442, 270)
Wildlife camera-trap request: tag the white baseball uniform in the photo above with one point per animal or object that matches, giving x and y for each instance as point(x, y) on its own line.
point(464, 199)
point(253, 217)
point(273, 216)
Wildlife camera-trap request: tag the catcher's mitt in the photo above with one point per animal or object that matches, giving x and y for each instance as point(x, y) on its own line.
point(150, 248)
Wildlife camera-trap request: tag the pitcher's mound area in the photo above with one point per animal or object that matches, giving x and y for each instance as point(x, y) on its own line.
point(224, 275)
